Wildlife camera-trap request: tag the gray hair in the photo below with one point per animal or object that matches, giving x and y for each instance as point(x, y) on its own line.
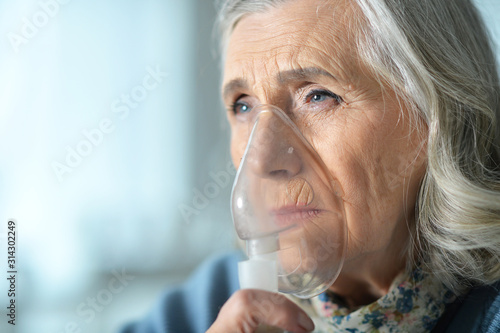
point(231, 11)
point(437, 56)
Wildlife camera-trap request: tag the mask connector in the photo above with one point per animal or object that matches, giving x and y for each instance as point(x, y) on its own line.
point(260, 271)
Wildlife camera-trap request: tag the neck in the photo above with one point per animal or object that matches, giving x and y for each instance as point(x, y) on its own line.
point(364, 280)
point(357, 291)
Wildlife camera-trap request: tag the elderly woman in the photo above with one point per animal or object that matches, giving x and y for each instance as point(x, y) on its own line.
point(401, 101)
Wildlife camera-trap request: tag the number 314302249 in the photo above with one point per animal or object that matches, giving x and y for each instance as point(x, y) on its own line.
point(11, 241)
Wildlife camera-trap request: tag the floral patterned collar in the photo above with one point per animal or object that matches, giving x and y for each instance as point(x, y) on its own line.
point(414, 303)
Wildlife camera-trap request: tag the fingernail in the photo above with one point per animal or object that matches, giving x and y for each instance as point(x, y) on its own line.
point(305, 322)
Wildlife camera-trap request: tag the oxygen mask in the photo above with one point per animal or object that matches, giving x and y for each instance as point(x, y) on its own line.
point(287, 207)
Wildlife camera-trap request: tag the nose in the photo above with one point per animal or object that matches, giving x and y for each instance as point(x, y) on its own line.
point(273, 150)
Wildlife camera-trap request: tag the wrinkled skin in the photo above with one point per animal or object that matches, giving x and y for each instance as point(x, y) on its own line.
point(301, 57)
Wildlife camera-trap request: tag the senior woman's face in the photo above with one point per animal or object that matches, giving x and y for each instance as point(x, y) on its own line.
point(301, 57)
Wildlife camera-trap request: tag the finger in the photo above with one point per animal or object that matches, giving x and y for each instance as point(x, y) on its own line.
point(247, 309)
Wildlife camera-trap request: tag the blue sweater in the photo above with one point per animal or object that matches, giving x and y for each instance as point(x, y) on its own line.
point(193, 307)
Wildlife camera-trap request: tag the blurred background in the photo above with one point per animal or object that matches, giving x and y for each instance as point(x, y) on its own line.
point(114, 155)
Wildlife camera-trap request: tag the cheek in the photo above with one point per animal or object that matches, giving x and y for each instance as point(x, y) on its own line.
point(377, 164)
point(368, 207)
point(235, 154)
point(238, 146)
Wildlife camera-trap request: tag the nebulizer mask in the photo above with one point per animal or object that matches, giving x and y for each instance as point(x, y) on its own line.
point(288, 208)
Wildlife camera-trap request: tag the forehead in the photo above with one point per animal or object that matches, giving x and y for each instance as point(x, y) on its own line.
point(296, 34)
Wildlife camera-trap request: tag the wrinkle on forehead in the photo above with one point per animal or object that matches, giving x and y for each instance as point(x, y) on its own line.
point(298, 31)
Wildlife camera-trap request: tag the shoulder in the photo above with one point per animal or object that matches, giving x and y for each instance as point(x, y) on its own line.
point(193, 306)
point(478, 311)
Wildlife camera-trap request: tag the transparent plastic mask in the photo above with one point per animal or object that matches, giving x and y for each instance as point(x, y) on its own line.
point(287, 207)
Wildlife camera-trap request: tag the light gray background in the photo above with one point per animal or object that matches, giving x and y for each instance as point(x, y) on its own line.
point(121, 207)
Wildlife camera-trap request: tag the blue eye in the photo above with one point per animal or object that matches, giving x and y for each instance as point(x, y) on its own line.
point(240, 107)
point(318, 96)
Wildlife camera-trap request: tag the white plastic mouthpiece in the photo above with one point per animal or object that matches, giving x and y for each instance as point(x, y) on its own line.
point(260, 271)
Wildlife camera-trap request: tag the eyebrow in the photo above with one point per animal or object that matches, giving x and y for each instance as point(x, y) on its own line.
point(236, 84)
point(282, 77)
point(302, 73)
